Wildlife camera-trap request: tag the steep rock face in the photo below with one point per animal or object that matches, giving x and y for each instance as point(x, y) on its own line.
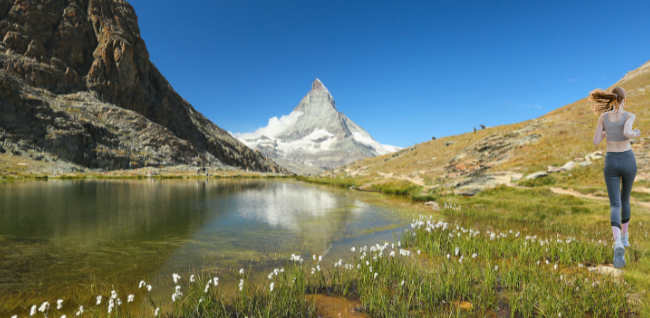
point(67, 46)
point(315, 136)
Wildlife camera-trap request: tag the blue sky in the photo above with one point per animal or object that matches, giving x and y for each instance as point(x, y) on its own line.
point(403, 70)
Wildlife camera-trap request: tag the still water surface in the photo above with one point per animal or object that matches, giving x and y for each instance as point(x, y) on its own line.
point(73, 239)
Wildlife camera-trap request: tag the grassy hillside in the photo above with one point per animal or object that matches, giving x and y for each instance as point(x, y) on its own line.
point(507, 150)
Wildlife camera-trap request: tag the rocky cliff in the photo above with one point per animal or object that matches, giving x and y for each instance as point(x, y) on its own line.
point(315, 136)
point(76, 83)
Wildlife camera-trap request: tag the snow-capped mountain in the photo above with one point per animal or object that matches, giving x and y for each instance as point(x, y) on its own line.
point(314, 137)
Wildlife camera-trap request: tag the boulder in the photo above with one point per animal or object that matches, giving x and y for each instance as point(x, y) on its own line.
point(537, 174)
point(433, 204)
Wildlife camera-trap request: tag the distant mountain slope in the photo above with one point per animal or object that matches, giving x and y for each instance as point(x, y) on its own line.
point(315, 136)
point(500, 154)
point(54, 48)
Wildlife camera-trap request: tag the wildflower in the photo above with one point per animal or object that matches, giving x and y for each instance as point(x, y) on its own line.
point(241, 284)
point(113, 294)
point(352, 249)
point(456, 251)
point(392, 254)
point(130, 298)
point(44, 306)
point(402, 283)
point(192, 278)
point(207, 286)
point(148, 288)
point(375, 275)
point(320, 258)
point(176, 295)
point(496, 267)
point(32, 311)
point(156, 312)
point(241, 271)
point(111, 304)
point(461, 259)
point(177, 289)
point(80, 311)
point(555, 267)
point(419, 252)
point(64, 316)
point(215, 281)
point(271, 286)
point(118, 302)
point(448, 255)
point(175, 278)
point(59, 304)
point(474, 255)
point(141, 284)
point(313, 256)
point(14, 316)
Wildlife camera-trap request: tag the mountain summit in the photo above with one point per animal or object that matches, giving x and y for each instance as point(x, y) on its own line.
point(315, 136)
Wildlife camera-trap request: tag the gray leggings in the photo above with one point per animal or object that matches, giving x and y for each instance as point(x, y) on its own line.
point(619, 166)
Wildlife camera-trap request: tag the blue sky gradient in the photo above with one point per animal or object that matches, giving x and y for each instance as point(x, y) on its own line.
point(403, 70)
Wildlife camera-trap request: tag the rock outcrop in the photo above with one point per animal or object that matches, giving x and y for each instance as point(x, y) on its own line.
point(55, 48)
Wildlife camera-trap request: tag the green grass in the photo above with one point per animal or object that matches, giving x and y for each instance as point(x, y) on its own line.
point(436, 266)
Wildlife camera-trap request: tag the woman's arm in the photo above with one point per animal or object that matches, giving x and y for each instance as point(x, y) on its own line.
point(627, 128)
point(599, 134)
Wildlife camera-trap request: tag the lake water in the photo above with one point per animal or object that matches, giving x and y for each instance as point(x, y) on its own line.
point(76, 239)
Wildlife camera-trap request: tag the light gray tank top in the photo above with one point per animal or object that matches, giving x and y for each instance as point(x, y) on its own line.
point(614, 129)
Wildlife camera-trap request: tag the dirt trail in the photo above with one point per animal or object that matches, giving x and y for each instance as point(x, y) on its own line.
point(593, 197)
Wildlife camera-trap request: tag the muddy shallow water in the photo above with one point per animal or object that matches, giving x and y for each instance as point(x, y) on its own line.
point(73, 239)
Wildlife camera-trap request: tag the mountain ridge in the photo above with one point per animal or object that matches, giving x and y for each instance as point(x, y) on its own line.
point(67, 47)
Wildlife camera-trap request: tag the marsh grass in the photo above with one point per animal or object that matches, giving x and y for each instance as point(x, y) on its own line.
point(430, 271)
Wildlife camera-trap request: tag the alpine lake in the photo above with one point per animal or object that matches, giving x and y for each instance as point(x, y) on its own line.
point(76, 239)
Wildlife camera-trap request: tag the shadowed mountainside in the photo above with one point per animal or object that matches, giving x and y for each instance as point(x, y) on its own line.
point(76, 83)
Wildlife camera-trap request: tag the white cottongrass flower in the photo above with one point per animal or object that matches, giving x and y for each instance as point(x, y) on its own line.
point(496, 267)
point(296, 258)
point(271, 286)
point(375, 275)
point(456, 251)
point(192, 278)
point(402, 283)
point(59, 304)
point(32, 311)
point(241, 284)
point(313, 256)
point(80, 311)
point(392, 254)
point(14, 316)
point(448, 255)
point(215, 281)
point(141, 284)
point(474, 255)
point(130, 298)
point(156, 312)
point(241, 271)
point(352, 249)
point(419, 252)
point(44, 306)
point(404, 252)
point(149, 288)
point(176, 278)
point(555, 267)
point(207, 287)
point(113, 294)
point(64, 316)
point(111, 304)
point(320, 258)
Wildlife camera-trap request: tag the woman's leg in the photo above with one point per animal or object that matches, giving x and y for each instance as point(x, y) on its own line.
point(613, 180)
point(628, 175)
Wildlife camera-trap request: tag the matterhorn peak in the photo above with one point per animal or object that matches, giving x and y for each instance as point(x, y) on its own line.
point(318, 85)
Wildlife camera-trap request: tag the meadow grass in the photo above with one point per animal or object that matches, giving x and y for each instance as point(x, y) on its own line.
point(437, 268)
